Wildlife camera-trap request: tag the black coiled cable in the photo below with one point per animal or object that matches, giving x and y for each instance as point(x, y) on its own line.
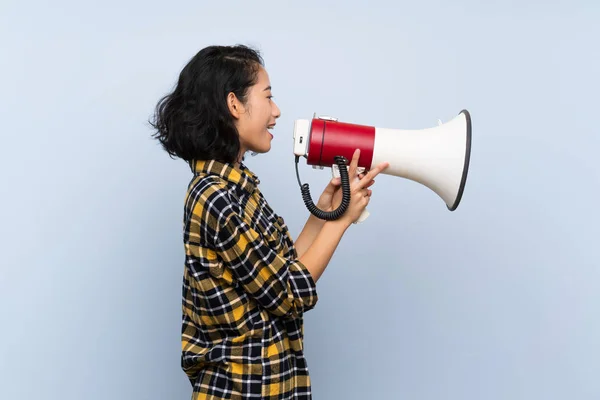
point(338, 212)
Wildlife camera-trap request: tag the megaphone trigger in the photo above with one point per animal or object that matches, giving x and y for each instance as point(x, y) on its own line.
point(335, 171)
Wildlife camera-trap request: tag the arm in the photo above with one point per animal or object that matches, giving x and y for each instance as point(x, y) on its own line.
point(317, 256)
point(308, 234)
point(282, 286)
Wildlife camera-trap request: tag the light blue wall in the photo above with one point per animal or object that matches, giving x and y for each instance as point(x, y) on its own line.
point(498, 300)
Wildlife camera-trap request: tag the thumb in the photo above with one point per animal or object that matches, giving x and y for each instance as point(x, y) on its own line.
point(336, 181)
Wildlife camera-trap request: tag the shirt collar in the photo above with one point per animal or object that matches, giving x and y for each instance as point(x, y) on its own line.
point(240, 176)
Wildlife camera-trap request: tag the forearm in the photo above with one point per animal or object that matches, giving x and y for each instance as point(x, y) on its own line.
point(319, 253)
point(308, 234)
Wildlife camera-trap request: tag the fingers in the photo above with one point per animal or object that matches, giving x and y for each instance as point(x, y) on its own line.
point(366, 180)
point(362, 175)
point(366, 193)
point(353, 164)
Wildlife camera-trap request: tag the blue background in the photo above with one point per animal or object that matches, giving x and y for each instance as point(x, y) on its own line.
point(497, 300)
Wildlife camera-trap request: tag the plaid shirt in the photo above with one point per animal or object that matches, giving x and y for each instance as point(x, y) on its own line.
point(244, 291)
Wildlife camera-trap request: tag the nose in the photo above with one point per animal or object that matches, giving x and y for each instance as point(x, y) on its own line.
point(276, 110)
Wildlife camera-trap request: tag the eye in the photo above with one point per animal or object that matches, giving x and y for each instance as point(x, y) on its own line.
point(269, 97)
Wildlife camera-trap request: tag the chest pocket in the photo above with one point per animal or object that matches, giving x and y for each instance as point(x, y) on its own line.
point(268, 224)
point(271, 231)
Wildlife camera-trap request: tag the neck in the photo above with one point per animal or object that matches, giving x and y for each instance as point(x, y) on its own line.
point(240, 157)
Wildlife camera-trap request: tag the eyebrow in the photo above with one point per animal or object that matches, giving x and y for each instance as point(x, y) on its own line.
point(267, 88)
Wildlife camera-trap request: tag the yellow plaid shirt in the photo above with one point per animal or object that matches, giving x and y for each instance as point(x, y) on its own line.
point(244, 291)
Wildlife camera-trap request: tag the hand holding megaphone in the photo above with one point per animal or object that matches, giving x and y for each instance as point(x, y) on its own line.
point(335, 173)
point(360, 182)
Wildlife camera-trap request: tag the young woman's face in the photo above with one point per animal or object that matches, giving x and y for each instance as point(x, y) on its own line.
point(256, 117)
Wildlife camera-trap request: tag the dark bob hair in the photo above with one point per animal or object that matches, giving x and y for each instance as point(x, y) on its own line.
point(193, 122)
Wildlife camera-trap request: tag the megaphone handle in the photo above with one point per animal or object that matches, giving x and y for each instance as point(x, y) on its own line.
point(365, 214)
point(335, 172)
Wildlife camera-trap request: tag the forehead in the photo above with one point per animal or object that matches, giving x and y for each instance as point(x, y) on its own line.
point(263, 80)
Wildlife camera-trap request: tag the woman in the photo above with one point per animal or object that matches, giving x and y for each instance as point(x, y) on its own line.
point(246, 283)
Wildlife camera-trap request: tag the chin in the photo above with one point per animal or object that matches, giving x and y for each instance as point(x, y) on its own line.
point(262, 149)
point(266, 147)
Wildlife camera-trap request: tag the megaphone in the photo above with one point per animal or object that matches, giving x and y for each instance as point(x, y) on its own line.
point(436, 157)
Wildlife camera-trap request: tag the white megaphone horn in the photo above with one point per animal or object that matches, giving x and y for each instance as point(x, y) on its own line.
point(437, 157)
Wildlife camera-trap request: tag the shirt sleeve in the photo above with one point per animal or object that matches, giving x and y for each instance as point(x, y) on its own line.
point(280, 285)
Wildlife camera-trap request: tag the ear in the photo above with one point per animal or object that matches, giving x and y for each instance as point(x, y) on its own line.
point(235, 107)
